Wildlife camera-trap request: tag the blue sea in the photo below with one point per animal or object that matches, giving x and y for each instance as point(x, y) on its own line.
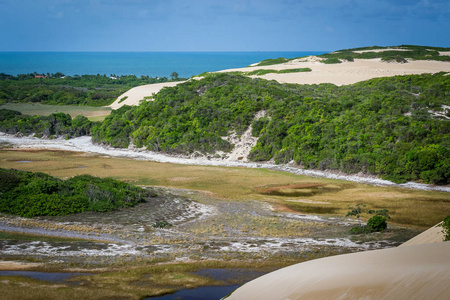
point(153, 64)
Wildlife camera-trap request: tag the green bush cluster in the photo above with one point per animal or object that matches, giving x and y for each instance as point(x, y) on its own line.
point(30, 194)
point(273, 61)
point(54, 125)
point(261, 72)
point(331, 60)
point(55, 89)
point(381, 126)
point(412, 52)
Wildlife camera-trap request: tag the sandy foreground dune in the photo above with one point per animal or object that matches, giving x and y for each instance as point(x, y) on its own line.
point(339, 74)
point(416, 270)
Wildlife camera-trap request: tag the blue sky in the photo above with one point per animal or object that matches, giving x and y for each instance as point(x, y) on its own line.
point(225, 25)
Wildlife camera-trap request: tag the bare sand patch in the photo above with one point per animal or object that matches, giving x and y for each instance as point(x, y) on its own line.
point(136, 94)
point(446, 53)
point(345, 72)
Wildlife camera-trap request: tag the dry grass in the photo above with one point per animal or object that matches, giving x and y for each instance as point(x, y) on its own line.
point(406, 206)
point(92, 113)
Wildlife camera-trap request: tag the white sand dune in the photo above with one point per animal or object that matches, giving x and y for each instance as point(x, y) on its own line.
point(339, 74)
point(417, 270)
point(136, 94)
point(346, 72)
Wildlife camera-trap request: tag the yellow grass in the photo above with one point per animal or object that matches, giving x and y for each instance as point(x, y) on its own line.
point(293, 192)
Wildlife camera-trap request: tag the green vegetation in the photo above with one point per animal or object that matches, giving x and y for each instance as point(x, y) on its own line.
point(57, 89)
point(331, 60)
point(382, 126)
point(30, 194)
point(446, 228)
point(272, 61)
point(375, 224)
point(406, 51)
point(54, 125)
point(32, 109)
point(388, 55)
point(295, 70)
point(281, 189)
point(261, 72)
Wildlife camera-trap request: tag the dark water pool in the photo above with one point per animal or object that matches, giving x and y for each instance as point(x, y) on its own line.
point(53, 277)
point(233, 278)
point(201, 293)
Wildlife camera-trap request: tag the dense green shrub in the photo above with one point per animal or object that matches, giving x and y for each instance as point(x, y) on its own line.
point(381, 126)
point(54, 125)
point(30, 194)
point(55, 89)
point(331, 60)
point(376, 223)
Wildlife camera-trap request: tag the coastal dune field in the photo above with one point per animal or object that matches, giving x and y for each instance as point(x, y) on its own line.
point(346, 72)
point(343, 73)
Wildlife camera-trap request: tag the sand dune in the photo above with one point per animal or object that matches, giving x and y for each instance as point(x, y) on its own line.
point(419, 269)
point(346, 72)
point(414, 272)
point(339, 74)
point(432, 235)
point(135, 95)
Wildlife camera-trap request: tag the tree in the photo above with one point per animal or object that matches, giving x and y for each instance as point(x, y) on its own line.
point(174, 75)
point(356, 211)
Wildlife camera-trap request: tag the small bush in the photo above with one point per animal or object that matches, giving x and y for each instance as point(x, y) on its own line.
point(331, 60)
point(446, 228)
point(376, 224)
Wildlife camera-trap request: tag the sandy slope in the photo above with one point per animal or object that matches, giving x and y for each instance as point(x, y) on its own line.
point(135, 95)
point(432, 235)
point(347, 72)
point(414, 272)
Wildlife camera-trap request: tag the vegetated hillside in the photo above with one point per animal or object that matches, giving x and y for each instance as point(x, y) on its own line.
point(389, 54)
point(394, 127)
point(54, 125)
point(30, 194)
point(92, 90)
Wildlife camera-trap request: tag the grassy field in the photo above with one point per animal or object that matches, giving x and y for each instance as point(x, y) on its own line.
point(284, 191)
point(92, 113)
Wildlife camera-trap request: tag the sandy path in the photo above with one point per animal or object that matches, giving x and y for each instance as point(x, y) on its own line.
point(135, 95)
point(415, 272)
point(346, 72)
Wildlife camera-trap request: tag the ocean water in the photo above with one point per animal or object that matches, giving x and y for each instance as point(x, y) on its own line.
point(153, 64)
